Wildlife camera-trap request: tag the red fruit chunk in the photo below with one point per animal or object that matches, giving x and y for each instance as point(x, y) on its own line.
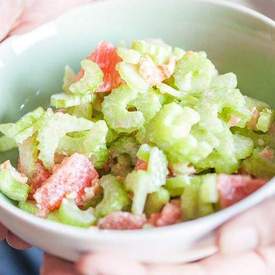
point(122, 221)
point(107, 58)
point(170, 214)
point(40, 175)
point(141, 165)
point(73, 175)
point(236, 187)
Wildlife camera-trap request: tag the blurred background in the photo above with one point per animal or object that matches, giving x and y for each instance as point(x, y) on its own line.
point(14, 262)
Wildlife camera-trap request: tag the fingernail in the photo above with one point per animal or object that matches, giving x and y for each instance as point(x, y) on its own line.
point(243, 239)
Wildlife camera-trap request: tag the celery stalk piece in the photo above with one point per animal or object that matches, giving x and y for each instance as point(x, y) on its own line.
point(25, 127)
point(208, 189)
point(258, 165)
point(129, 55)
point(83, 110)
point(156, 49)
point(28, 155)
point(115, 198)
point(175, 185)
point(69, 213)
point(7, 143)
point(13, 184)
point(156, 201)
point(91, 143)
point(265, 119)
point(54, 127)
point(194, 72)
point(69, 100)
point(142, 183)
point(91, 80)
point(116, 114)
point(28, 206)
point(190, 199)
point(171, 124)
point(129, 73)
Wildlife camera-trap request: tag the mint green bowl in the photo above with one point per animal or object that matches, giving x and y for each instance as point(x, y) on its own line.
point(31, 67)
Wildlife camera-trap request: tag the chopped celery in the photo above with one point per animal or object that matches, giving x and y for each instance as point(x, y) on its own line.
point(208, 189)
point(259, 166)
point(28, 206)
point(91, 143)
point(28, 154)
point(166, 89)
point(7, 143)
point(24, 127)
point(115, 197)
point(228, 80)
point(175, 185)
point(129, 55)
point(69, 213)
point(129, 73)
point(156, 201)
point(13, 184)
point(265, 120)
point(116, 113)
point(91, 80)
point(122, 165)
point(171, 124)
point(156, 49)
point(148, 103)
point(144, 152)
point(142, 183)
point(194, 72)
point(190, 199)
point(54, 127)
point(125, 145)
point(243, 146)
point(83, 110)
point(67, 100)
point(69, 78)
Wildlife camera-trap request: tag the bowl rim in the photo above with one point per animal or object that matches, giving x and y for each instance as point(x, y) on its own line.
point(93, 232)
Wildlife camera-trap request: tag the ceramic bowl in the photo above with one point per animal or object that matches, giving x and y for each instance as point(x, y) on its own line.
point(31, 67)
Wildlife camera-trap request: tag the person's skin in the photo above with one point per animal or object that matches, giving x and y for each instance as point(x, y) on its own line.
point(246, 244)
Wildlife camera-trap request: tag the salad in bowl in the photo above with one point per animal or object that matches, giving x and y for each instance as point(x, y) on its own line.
point(142, 136)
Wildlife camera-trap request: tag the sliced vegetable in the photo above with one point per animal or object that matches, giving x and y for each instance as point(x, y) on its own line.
point(115, 197)
point(69, 213)
point(13, 184)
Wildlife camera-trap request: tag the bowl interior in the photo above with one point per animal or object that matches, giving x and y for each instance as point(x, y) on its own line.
point(32, 65)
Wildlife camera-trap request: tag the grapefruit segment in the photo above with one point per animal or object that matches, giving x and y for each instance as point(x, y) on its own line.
point(234, 188)
point(72, 176)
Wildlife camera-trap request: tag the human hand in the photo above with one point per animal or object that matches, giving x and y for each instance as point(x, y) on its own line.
point(19, 16)
point(246, 246)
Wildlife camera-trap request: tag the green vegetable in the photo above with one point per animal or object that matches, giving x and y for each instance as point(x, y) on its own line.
point(54, 127)
point(142, 183)
point(69, 213)
point(66, 100)
point(175, 185)
point(24, 127)
point(194, 72)
point(13, 184)
point(265, 120)
point(115, 197)
point(91, 143)
point(91, 80)
point(156, 49)
point(7, 143)
point(156, 201)
point(116, 114)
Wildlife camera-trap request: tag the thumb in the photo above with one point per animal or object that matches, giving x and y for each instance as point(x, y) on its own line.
point(250, 230)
